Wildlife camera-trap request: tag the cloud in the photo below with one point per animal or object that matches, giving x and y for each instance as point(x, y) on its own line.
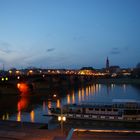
point(5, 47)
point(2, 61)
point(5, 50)
point(50, 49)
point(115, 51)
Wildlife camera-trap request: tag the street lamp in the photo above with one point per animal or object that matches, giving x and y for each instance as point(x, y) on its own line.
point(62, 119)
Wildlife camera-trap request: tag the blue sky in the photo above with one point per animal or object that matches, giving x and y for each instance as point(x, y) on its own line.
point(69, 33)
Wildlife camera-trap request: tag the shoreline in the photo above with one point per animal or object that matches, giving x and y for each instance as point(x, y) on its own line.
point(44, 87)
point(117, 81)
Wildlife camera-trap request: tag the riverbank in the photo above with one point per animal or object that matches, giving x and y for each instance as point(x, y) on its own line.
point(43, 87)
point(117, 81)
point(12, 130)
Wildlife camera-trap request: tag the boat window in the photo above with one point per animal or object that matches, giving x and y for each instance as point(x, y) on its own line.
point(78, 111)
point(130, 112)
point(133, 118)
point(90, 109)
point(102, 109)
point(138, 112)
point(115, 109)
point(96, 109)
point(109, 109)
point(107, 117)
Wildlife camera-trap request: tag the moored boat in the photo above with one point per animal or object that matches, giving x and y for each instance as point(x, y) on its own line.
point(118, 110)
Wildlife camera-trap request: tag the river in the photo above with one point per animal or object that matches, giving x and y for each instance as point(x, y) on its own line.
point(34, 108)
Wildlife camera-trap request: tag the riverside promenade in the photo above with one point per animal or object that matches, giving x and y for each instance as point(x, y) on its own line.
point(10, 130)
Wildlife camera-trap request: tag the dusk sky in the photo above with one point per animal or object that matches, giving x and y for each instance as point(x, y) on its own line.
point(69, 33)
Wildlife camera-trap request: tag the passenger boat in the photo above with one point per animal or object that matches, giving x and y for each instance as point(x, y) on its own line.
point(118, 110)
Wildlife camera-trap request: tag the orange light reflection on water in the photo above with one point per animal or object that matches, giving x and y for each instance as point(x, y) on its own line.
point(19, 116)
point(44, 106)
point(68, 99)
point(49, 104)
point(22, 103)
point(32, 116)
point(79, 95)
point(58, 104)
point(73, 97)
point(83, 94)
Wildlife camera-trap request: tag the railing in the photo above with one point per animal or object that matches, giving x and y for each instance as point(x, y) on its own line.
point(110, 105)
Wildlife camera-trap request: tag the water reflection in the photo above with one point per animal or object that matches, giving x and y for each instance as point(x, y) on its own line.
point(124, 87)
point(68, 99)
point(79, 95)
point(23, 103)
point(27, 107)
point(83, 94)
point(112, 86)
point(19, 116)
point(44, 106)
point(5, 116)
point(32, 116)
point(73, 97)
point(49, 104)
point(108, 87)
point(58, 104)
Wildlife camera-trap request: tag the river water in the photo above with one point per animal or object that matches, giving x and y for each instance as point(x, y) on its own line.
point(35, 108)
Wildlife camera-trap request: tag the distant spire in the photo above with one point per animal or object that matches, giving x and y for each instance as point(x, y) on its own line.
point(107, 63)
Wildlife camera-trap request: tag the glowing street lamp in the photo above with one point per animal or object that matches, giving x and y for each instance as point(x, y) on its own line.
point(62, 119)
point(18, 77)
point(30, 71)
point(6, 78)
point(17, 72)
point(2, 79)
point(10, 71)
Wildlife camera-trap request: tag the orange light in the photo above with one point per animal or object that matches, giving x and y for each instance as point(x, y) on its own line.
point(23, 87)
point(59, 118)
point(79, 95)
point(18, 85)
point(49, 104)
point(32, 115)
point(19, 116)
point(64, 118)
point(22, 103)
point(17, 72)
point(30, 71)
point(73, 97)
point(68, 99)
point(54, 95)
point(58, 103)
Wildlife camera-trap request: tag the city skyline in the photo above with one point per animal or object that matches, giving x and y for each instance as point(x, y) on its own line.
point(69, 33)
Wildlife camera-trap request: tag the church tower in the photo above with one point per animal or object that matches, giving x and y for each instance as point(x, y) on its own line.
point(107, 63)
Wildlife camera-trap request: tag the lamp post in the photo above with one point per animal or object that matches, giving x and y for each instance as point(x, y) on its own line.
point(62, 119)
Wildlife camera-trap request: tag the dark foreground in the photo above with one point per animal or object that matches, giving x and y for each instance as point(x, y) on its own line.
point(10, 130)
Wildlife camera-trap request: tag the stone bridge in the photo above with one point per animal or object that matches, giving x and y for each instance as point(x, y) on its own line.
point(49, 81)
